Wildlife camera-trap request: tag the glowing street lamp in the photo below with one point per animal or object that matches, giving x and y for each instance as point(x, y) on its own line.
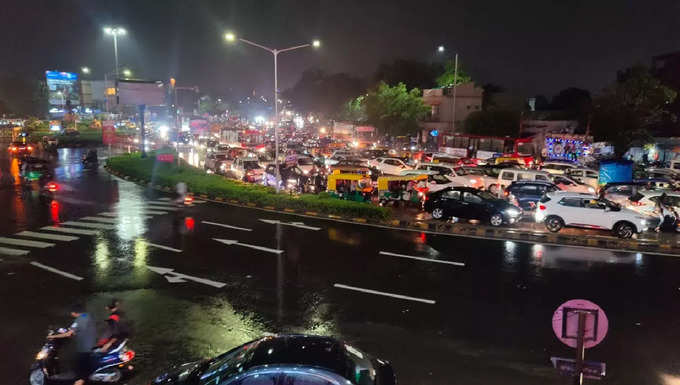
point(85, 70)
point(115, 32)
point(231, 37)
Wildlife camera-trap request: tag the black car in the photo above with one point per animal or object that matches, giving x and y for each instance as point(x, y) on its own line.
point(525, 194)
point(470, 203)
point(285, 359)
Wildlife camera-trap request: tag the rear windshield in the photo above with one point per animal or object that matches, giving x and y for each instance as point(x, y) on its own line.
point(251, 165)
point(544, 199)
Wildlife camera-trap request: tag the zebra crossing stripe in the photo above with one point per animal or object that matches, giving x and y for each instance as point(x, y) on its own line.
point(53, 237)
point(70, 230)
point(13, 252)
point(91, 225)
point(165, 199)
point(163, 208)
point(163, 247)
point(25, 243)
point(57, 271)
point(100, 219)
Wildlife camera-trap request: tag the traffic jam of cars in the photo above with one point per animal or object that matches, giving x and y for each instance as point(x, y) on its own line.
point(500, 190)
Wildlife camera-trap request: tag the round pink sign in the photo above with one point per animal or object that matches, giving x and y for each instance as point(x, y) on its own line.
point(565, 323)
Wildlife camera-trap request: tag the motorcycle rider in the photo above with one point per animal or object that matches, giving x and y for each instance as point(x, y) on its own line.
point(91, 156)
point(116, 328)
point(85, 332)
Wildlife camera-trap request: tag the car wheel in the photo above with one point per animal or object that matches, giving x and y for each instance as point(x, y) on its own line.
point(438, 213)
point(624, 230)
point(554, 223)
point(496, 220)
point(37, 377)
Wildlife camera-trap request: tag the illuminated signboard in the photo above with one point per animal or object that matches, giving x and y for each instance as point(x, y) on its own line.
point(62, 86)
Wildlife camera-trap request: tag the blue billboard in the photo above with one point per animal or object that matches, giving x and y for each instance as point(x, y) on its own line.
point(62, 86)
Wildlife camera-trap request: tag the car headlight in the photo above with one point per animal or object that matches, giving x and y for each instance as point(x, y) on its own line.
point(473, 181)
point(512, 212)
point(41, 355)
point(305, 172)
point(591, 190)
point(223, 166)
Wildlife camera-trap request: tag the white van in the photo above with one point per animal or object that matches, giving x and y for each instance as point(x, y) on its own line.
point(584, 175)
point(509, 175)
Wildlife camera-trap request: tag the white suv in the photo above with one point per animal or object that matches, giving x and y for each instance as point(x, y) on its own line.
point(564, 208)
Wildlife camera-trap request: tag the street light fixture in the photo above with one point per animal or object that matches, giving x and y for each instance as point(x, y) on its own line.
point(440, 49)
point(231, 37)
point(127, 73)
point(85, 70)
point(115, 32)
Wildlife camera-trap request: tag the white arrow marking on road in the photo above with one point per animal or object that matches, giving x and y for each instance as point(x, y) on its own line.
point(53, 237)
point(8, 251)
point(369, 291)
point(25, 243)
point(231, 242)
point(163, 247)
point(57, 271)
point(227, 226)
point(176, 276)
point(294, 224)
point(174, 279)
point(70, 230)
point(421, 258)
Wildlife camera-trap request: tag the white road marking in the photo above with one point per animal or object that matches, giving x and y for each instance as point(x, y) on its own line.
point(57, 271)
point(8, 251)
point(421, 258)
point(155, 203)
point(163, 247)
point(369, 291)
point(162, 208)
point(176, 277)
point(54, 237)
point(294, 224)
point(69, 230)
point(25, 243)
point(92, 225)
point(165, 199)
point(227, 226)
point(100, 219)
point(144, 212)
point(231, 242)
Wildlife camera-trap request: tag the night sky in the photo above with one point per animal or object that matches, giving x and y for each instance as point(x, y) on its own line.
point(528, 46)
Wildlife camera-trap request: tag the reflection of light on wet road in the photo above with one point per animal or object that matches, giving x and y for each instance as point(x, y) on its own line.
point(141, 253)
point(509, 248)
point(14, 170)
point(101, 256)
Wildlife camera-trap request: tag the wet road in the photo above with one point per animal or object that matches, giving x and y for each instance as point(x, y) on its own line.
point(482, 318)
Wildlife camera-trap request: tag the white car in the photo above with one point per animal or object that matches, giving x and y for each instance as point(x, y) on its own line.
point(480, 174)
point(457, 175)
point(558, 168)
point(584, 175)
point(247, 169)
point(435, 181)
point(306, 164)
point(337, 156)
point(567, 184)
point(644, 201)
point(389, 166)
point(563, 208)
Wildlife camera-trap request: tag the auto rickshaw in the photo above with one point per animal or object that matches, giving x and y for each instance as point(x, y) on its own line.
point(355, 187)
point(410, 189)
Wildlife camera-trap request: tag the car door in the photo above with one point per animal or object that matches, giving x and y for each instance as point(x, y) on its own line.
point(571, 211)
point(451, 203)
point(595, 215)
point(472, 206)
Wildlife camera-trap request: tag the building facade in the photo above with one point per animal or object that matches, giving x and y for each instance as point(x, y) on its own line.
point(440, 101)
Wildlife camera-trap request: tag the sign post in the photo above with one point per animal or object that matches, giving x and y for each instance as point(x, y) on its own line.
point(580, 324)
point(142, 140)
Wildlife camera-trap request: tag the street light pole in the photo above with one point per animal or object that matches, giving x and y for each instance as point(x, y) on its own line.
point(115, 51)
point(275, 52)
point(455, 84)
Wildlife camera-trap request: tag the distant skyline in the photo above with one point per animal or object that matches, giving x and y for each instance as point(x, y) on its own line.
point(529, 47)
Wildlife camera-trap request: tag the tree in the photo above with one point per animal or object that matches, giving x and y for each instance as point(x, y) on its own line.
point(625, 112)
point(321, 93)
point(354, 110)
point(394, 110)
point(450, 75)
point(414, 74)
point(492, 122)
point(575, 104)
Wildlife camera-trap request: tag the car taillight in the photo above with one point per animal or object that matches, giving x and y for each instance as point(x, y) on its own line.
point(52, 187)
point(541, 207)
point(636, 203)
point(188, 199)
point(13, 148)
point(29, 148)
point(506, 193)
point(127, 355)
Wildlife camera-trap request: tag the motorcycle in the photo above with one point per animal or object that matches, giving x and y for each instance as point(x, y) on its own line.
point(48, 192)
point(109, 367)
point(90, 163)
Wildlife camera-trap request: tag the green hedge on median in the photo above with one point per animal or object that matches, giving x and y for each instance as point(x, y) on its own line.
point(169, 174)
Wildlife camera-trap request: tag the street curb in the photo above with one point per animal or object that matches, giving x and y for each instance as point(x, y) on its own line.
point(456, 229)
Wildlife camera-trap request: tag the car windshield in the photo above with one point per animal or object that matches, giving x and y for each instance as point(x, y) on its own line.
point(460, 171)
point(305, 161)
point(220, 157)
point(486, 195)
point(251, 165)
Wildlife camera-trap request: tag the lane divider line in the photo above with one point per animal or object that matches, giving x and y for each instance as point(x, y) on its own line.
point(92, 225)
point(421, 258)
point(53, 237)
point(25, 243)
point(227, 226)
point(163, 247)
point(70, 230)
point(57, 271)
point(12, 252)
point(369, 291)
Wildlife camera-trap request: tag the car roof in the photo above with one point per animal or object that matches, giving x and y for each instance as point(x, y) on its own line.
point(535, 172)
point(570, 194)
point(449, 165)
point(540, 182)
